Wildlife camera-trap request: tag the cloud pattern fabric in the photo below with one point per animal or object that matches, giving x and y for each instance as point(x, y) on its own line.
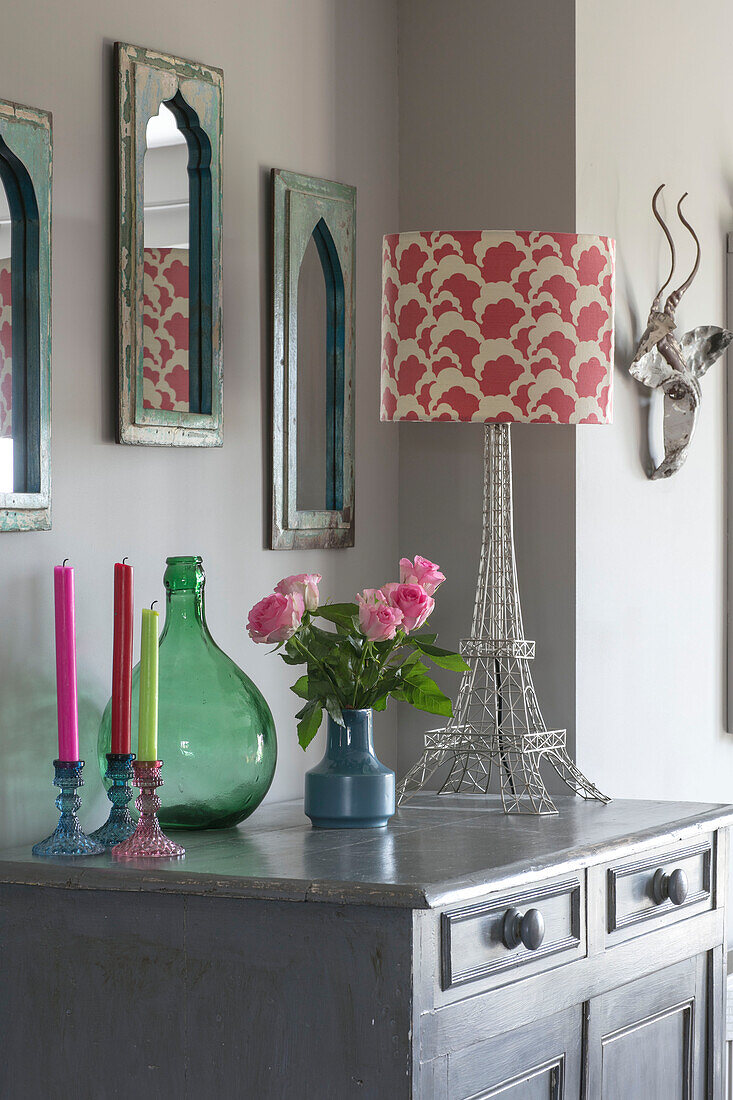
point(165, 325)
point(497, 326)
point(6, 353)
point(165, 320)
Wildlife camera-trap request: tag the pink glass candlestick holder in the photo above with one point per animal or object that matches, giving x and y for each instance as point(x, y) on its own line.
point(148, 841)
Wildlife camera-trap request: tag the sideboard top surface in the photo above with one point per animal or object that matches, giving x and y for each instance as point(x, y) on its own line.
point(435, 852)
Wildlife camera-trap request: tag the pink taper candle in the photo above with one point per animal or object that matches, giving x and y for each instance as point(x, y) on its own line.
point(63, 585)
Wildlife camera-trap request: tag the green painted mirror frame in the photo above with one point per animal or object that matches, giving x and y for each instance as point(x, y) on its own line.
point(195, 94)
point(25, 176)
point(306, 208)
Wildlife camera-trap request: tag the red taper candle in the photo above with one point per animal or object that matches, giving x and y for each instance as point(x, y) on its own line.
point(122, 659)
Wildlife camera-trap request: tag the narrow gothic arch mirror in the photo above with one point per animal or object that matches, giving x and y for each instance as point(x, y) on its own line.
point(313, 365)
point(170, 114)
point(25, 292)
point(177, 346)
point(320, 375)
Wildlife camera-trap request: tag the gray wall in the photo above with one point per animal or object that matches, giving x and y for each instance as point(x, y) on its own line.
point(309, 86)
point(622, 580)
point(487, 142)
point(554, 116)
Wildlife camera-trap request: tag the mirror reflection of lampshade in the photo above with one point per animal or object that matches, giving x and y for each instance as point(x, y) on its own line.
point(166, 274)
point(6, 350)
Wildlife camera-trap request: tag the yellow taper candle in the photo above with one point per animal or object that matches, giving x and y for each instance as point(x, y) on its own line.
point(147, 734)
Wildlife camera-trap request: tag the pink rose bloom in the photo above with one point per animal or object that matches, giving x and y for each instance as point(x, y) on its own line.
point(372, 594)
point(412, 600)
point(421, 571)
point(377, 619)
point(304, 585)
point(276, 618)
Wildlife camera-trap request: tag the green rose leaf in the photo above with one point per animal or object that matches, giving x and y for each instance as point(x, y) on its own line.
point(429, 701)
point(340, 613)
point(443, 658)
point(292, 659)
point(334, 710)
point(310, 723)
point(300, 687)
point(410, 661)
point(420, 677)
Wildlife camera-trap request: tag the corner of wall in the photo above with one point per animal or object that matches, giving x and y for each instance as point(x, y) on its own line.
point(475, 152)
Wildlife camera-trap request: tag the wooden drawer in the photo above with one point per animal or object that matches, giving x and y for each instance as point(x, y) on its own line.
point(474, 938)
point(638, 891)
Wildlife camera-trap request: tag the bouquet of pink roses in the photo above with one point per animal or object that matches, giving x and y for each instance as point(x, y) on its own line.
point(375, 650)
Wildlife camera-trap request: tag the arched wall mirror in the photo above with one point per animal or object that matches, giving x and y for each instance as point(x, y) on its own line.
point(170, 121)
point(314, 224)
point(25, 318)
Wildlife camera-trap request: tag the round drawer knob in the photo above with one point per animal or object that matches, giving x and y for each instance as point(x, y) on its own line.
point(673, 886)
point(528, 929)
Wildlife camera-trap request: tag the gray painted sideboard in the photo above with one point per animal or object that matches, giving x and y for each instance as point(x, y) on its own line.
point(277, 961)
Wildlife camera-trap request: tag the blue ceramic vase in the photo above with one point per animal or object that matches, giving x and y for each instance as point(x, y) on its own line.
point(350, 789)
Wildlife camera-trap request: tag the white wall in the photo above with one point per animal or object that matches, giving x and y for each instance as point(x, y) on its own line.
point(654, 106)
point(309, 86)
point(487, 142)
point(165, 187)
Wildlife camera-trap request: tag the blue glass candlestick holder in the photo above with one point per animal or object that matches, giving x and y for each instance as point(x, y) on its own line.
point(119, 825)
point(68, 838)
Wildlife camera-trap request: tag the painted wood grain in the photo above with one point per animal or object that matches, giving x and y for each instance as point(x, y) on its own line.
point(649, 1038)
point(436, 853)
point(530, 1062)
point(176, 998)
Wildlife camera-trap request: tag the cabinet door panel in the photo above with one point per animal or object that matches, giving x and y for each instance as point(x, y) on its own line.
point(647, 1038)
point(539, 1062)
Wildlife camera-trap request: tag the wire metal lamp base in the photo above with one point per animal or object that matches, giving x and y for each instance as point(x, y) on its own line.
point(497, 722)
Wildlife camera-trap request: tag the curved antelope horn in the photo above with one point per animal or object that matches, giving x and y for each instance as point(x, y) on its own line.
point(674, 298)
point(668, 235)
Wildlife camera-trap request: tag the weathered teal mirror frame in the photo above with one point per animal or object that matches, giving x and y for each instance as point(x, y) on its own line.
point(195, 94)
point(25, 175)
point(306, 208)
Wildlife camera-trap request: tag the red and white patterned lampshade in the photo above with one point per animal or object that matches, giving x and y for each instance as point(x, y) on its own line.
point(497, 326)
point(6, 352)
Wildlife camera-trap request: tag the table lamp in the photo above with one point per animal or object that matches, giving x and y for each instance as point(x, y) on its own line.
point(499, 328)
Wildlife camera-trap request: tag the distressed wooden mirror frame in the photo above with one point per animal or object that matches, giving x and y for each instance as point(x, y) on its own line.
point(303, 208)
point(195, 93)
point(25, 175)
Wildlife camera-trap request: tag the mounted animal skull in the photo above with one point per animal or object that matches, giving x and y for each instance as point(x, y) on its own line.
point(675, 365)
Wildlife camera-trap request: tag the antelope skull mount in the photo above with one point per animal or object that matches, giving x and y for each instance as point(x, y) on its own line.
point(676, 366)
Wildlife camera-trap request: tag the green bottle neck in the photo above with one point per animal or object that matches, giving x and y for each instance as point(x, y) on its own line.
point(185, 612)
point(184, 581)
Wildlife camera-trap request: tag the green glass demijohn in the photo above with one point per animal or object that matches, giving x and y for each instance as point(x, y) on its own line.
point(216, 735)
